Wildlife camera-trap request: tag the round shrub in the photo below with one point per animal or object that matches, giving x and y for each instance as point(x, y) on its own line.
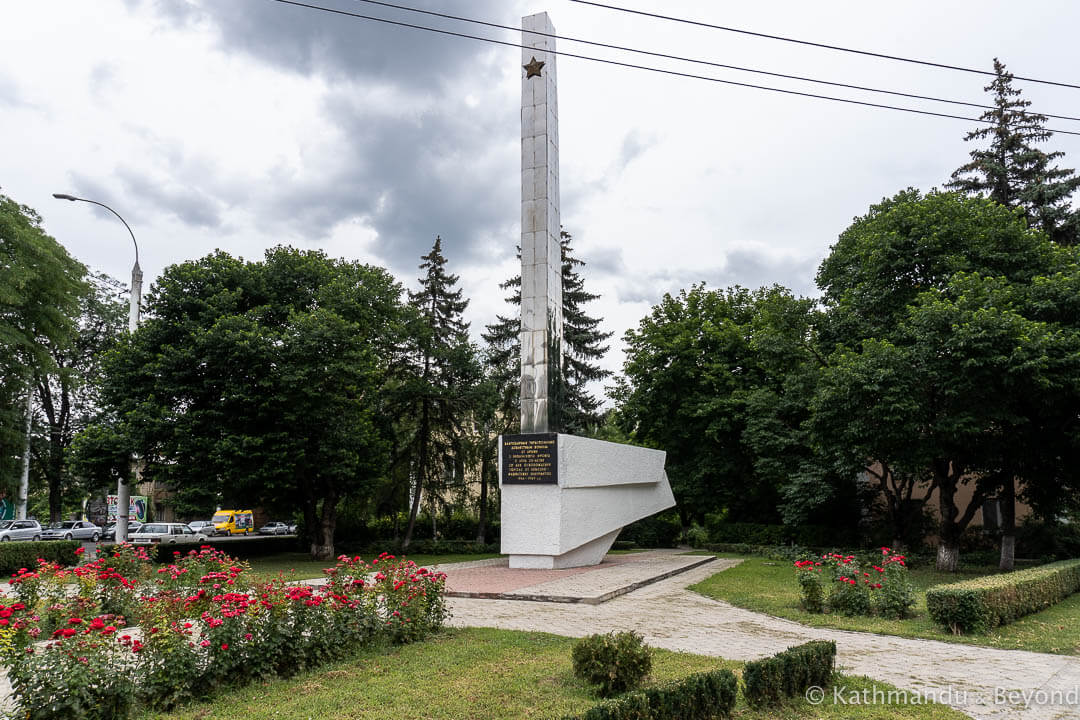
point(615, 662)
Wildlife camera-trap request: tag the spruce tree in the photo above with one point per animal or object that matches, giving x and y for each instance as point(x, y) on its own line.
point(583, 345)
point(443, 372)
point(1013, 171)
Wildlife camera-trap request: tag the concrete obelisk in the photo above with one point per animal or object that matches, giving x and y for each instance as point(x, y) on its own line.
point(564, 498)
point(541, 253)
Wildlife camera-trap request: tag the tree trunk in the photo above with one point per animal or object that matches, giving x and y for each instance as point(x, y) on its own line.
point(420, 466)
point(481, 525)
point(948, 537)
point(55, 470)
point(1007, 505)
point(24, 479)
point(948, 555)
point(948, 476)
point(322, 542)
point(413, 510)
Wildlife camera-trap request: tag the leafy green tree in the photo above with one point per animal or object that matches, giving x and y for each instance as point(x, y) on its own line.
point(720, 380)
point(68, 392)
point(439, 384)
point(261, 380)
point(584, 344)
point(1013, 171)
point(40, 287)
point(911, 384)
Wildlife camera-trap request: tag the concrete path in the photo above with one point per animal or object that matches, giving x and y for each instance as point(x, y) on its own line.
point(985, 683)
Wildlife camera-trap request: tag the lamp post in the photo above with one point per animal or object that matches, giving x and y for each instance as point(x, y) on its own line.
point(123, 490)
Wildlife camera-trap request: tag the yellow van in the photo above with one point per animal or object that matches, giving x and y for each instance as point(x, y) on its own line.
point(233, 522)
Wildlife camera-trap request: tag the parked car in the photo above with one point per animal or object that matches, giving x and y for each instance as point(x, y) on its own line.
point(274, 528)
point(203, 526)
point(72, 530)
point(168, 533)
point(109, 533)
point(20, 530)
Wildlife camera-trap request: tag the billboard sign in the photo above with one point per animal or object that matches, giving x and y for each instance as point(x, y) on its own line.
point(137, 505)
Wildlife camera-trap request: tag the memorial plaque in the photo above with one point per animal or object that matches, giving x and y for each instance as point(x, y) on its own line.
point(530, 459)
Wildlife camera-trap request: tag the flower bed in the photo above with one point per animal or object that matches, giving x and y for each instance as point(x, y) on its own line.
point(202, 621)
point(840, 584)
point(979, 605)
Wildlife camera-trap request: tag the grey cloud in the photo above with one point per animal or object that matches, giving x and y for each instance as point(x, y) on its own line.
point(10, 94)
point(143, 196)
point(410, 180)
point(603, 261)
point(102, 77)
point(747, 268)
point(310, 41)
point(579, 193)
point(447, 170)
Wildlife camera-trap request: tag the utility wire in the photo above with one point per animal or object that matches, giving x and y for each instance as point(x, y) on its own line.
point(634, 66)
point(697, 61)
point(816, 44)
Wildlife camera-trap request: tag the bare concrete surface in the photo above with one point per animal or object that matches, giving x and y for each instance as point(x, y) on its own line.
point(985, 683)
point(616, 575)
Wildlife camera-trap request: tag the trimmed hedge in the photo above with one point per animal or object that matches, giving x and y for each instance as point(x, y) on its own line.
point(789, 674)
point(255, 546)
point(720, 531)
point(16, 555)
point(424, 547)
point(978, 605)
point(696, 697)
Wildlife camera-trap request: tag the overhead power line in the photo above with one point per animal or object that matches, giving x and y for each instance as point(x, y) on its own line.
point(635, 66)
point(816, 44)
point(697, 61)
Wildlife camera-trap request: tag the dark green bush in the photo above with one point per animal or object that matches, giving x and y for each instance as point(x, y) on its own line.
point(16, 555)
point(422, 547)
point(240, 548)
point(721, 531)
point(789, 674)
point(615, 662)
point(655, 531)
point(981, 604)
point(697, 697)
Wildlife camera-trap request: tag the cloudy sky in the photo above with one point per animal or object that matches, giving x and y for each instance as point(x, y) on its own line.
point(243, 124)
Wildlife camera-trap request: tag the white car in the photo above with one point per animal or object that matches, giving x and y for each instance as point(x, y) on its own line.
point(72, 530)
point(167, 533)
point(19, 530)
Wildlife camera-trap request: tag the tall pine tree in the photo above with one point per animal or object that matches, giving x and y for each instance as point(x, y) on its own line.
point(1013, 171)
point(440, 382)
point(583, 345)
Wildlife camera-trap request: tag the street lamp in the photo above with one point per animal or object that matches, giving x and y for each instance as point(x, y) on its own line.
point(123, 490)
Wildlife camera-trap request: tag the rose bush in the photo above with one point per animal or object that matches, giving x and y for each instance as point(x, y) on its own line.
point(202, 621)
point(839, 583)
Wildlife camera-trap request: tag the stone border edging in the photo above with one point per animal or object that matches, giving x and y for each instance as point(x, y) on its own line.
point(593, 600)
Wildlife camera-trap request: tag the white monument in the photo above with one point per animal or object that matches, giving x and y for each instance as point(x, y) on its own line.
point(564, 498)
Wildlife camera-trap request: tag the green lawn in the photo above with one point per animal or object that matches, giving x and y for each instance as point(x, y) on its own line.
point(769, 587)
point(483, 674)
point(300, 566)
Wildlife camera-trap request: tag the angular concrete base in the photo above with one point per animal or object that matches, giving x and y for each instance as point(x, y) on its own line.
point(599, 488)
point(591, 553)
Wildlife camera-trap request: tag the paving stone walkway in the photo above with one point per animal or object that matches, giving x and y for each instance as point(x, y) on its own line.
point(985, 683)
